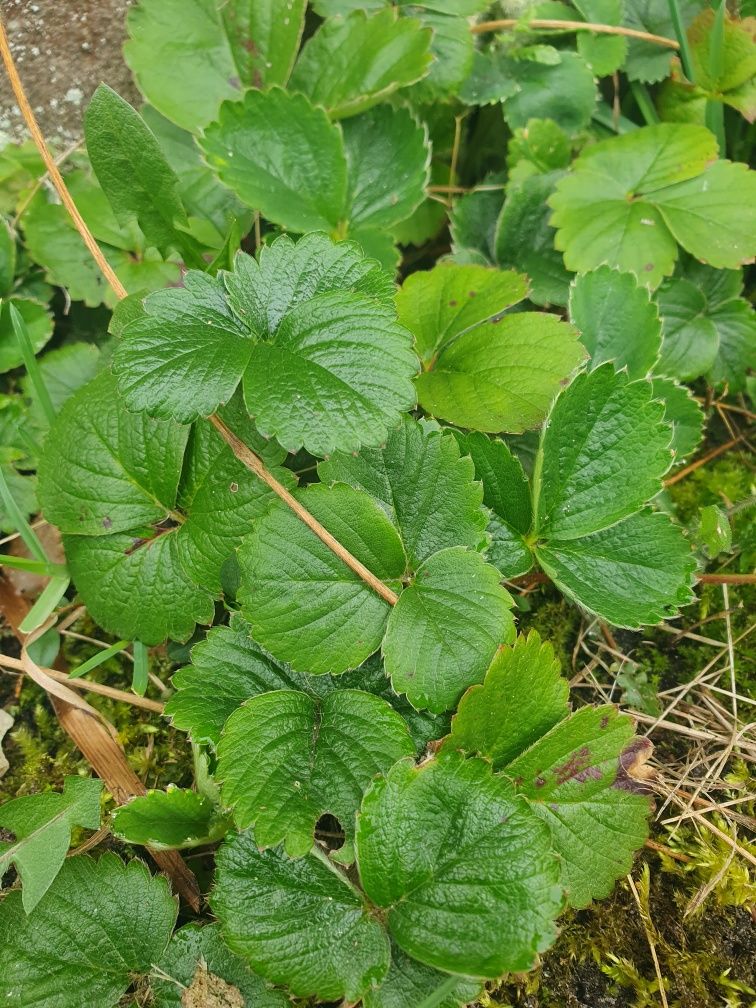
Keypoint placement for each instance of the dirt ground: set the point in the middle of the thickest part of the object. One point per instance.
(63, 49)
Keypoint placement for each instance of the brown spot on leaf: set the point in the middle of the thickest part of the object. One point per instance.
(472, 293)
(604, 721)
(6, 835)
(452, 304)
(234, 487)
(107, 522)
(210, 991)
(633, 771)
(648, 267)
(539, 781)
(577, 768)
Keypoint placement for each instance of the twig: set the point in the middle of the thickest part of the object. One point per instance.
(648, 927)
(599, 29)
(714, 453)
(663, 849)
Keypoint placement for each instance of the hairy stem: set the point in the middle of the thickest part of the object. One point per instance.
(556, 24)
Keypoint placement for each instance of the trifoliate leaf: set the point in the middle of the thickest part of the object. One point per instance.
(617, 320)
(522, 697)
(100, 924)
(174, 819)
(350, 364)
(575, 779)
(445, 628)
(600, 429)
(409, 982)
(461, 864)
(188, 57)
(39, 325)
(348, 65)
(303, 603)
(198, 967)
(500, 375)
(36, 833)
(137, 180)
(683, 412)
(524, 239)
(285, 760)
(238, 669)
(423, 484)
(251, 148)
(135, 586)
(629, 200)
(440, 304)
(507, 493)
(385, 135)
(298, 923)
(105, 470)
(647, 61)
(564, 90)
(636, 572)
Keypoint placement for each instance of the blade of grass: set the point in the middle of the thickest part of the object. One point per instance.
(682, 38)
(30, 362)
(434, 1000)
(52, 594)
(644, 103)
(714, 115)
(98, 659)
(141, 668)
(19, 522)
(33, 566)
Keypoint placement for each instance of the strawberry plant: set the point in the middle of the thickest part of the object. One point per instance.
(342, 413)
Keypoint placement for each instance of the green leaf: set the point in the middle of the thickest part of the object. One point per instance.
(501, 375)
(452, 50)
(350, 64)
(538, 148)
(51, 957)
(461, 865)
(408, 982)
(148, 595)
(714, 532)
(39, 324)
(424, 486)
(522, 697)
(188, 57)
(629, 200)
(600, 429)
(728, 78)
(736, 357)
(136, 178)
(472, 221)
(285, 760)
(507, 493)
(445, 628)
(303, 603)
(634, 573)
(7, 258)
(576, 780)
(564, 91)
(384, 136)
(604, 54)
(104, 470)
(691, 340)
(490, 80)
(440, 304)
(174, 819)
(198, 960)
(298, 922)
(524, 239)
(282, 156)
(646, 61)
(683, 412)
(617, 320)
(64, 371)
(37, 833)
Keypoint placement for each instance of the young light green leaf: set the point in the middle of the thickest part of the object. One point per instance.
(601, 427)
(174, 819)
(188, 57)
(199, 964)
(285, 759)
(303, 603)
(522, 697)
(501, 375)
(461, 864)
(445, 628)
(105, 470)
(385, 135)
(349, 64)
(148, 596)
(440, 304)
(298, 923)
(36, 832)
(409, 982)
(577, 781)
(136, 178)
(617, 320)
(425, 487)
(251, 148)
(507, 493)
(50, 957)
(634, 573)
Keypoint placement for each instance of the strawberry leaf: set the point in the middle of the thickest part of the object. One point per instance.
(174, 819)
